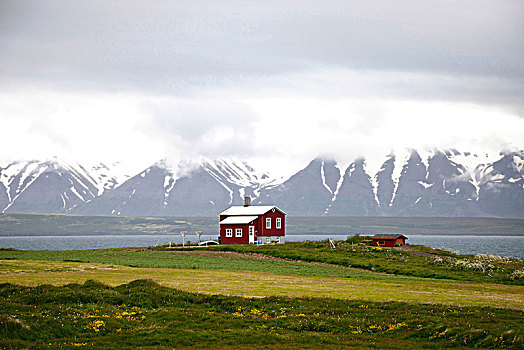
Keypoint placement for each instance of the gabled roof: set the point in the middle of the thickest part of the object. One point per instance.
(389, 236)
(251, 210)
(242, 220)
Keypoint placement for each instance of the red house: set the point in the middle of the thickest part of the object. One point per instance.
(257, 224)
(389, 240)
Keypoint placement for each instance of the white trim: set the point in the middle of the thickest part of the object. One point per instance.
(238, 232)
(278, 223)
(268, 223)
(229, 232)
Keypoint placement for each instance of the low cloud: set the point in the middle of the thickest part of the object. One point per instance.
(201, 127)
(279, 134)
(269, 82)
(431, 50)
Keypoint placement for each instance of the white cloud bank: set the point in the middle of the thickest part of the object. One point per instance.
(276, 133)
(272, 82)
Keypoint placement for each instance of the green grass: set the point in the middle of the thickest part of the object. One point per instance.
(189, 260)
(414, 261)
(262, 284)
(143, 314)
(297, 295)
(346, 261)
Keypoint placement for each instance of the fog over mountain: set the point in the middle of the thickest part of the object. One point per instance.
(271, 83)
(412, 183)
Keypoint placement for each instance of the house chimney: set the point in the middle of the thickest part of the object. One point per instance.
(247, 201)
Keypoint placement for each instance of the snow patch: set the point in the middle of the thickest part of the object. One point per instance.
(8, 175)
(230, 171)
(518, 163)
(349, 170)
(217, 178)
(63, 200)
(425, 184)
(372, 166)
(323, 176)
(496, 178)
(73, 189)
(425, 155)
(169, 184)
(29, 170)
(399, 164)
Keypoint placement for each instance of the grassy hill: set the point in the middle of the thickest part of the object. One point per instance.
(299, 295)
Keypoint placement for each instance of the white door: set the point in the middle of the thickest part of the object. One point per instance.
(251, 234)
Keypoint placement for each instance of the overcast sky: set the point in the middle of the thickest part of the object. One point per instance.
(274, 82)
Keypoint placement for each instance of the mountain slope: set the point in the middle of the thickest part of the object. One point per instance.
(356, 195)
(200, 188)
(44, 187)
(307, 193)
(412, 183)
(501, 186)
(52, 186)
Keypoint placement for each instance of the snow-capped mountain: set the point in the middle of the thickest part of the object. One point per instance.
(412, 183)
(199, 187)
(436, 183)
(53, 186)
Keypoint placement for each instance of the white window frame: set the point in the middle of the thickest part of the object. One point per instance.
(229, 232)
(268, 223)
(238, 232)
(278, 223)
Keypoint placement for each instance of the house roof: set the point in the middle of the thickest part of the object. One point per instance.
(389, 236)
(238, 219)
(251, 210)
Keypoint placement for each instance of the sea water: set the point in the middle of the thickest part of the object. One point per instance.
(507, 246)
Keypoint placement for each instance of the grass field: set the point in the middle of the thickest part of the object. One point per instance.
(261, 284)
(417, 261)
(143, 314)
(287, 296)
(295, 258)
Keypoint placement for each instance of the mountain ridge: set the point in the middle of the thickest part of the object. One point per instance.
(413, 183)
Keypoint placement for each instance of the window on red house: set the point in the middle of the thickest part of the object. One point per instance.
(238, 232)
(268, 223)
(279, 223)
(229, 232)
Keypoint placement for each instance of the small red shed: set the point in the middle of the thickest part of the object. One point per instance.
(389, 239)
(257, 224)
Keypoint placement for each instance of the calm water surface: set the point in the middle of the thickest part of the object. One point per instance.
(509, 246)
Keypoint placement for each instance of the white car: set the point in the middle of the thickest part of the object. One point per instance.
(206, 243)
